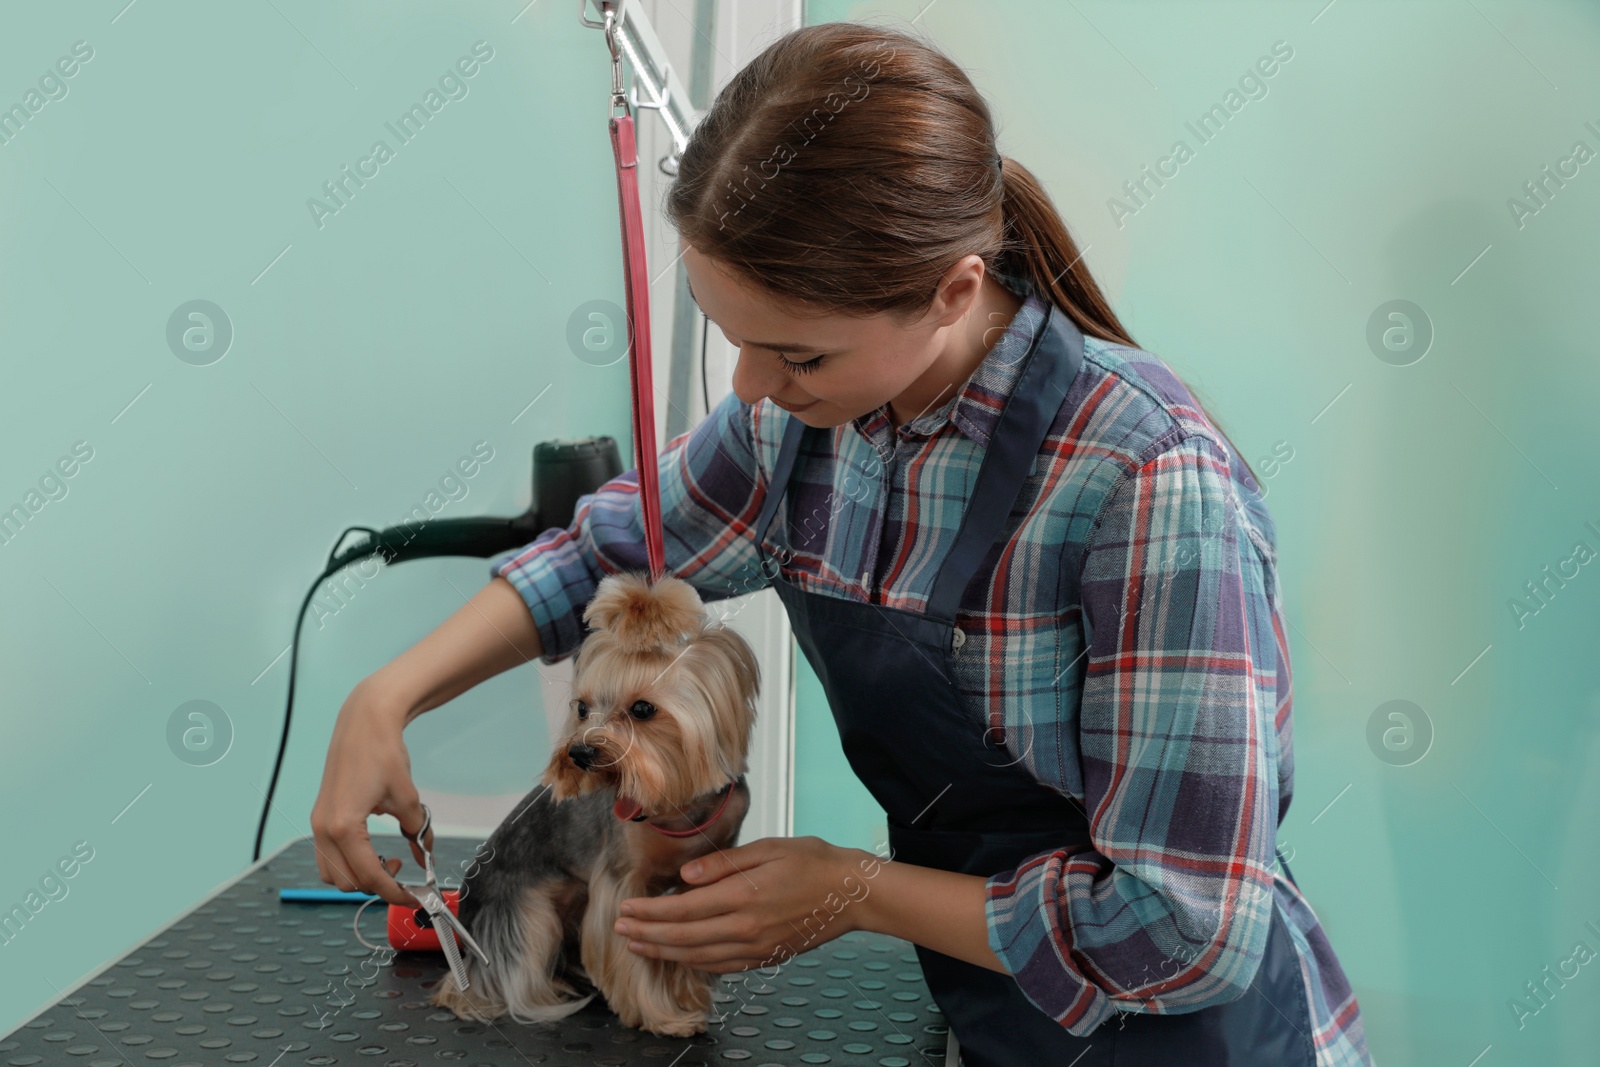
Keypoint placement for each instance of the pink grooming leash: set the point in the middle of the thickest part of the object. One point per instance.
(637, 280)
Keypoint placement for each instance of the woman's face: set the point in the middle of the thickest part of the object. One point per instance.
(838, 368)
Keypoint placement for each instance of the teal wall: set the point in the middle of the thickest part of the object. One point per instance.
(369, 355)
(368, 359)
(1420, 499)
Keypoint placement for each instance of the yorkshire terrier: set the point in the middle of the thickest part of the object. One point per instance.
(649, 775)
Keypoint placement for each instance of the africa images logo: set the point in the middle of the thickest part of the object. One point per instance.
(52, 87)
(1252, 85)
(411, 122)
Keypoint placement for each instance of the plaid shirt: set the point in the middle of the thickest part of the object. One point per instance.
(1158, 696)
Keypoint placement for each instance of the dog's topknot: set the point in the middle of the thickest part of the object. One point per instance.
(642, 617)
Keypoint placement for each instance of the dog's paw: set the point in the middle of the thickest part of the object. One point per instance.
(464, 1003)
(677, 1026)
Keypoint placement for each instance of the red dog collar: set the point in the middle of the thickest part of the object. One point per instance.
(619, 810)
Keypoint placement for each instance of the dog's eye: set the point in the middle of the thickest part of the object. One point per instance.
(642, 709)
(583, 710)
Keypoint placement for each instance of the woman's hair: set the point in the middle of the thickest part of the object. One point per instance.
(848, 166)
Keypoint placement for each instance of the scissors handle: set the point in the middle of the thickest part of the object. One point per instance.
(422, 831)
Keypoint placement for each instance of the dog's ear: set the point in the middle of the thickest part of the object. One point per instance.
(642, 617)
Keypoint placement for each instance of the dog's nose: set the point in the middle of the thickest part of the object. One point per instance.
(583, 755)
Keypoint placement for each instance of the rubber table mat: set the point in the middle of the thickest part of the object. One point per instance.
(243, 978)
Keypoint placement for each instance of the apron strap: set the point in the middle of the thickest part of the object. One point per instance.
(1287, 873)
(779, 482)
(1013, 447)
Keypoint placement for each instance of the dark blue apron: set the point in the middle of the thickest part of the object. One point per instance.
(954, 800)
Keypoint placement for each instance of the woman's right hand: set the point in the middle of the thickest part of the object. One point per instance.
(368, 772)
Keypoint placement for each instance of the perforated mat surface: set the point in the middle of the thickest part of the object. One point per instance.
(245, 979)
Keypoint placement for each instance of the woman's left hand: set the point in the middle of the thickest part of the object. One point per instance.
(750, 906)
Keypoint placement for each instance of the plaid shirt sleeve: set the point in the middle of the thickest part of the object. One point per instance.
(1171, 902)
(712, 489)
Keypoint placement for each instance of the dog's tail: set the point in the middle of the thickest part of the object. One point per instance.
(645, 617)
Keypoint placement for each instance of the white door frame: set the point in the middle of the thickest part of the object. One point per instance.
(742, 28)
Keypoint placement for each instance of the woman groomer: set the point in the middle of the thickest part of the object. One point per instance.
(1035, 579)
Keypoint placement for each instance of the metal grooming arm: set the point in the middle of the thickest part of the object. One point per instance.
(655, 84)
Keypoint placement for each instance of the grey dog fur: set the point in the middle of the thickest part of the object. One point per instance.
(552, 848)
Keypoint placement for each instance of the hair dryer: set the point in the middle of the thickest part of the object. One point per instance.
(563, 471)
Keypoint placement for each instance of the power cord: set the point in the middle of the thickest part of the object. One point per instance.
(336, 562)
(705, 389)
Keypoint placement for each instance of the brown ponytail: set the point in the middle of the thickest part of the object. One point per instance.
(1051, 261)
(1043, 249)
(846, 167)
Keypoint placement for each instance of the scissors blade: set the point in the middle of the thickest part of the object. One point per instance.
(444, 920)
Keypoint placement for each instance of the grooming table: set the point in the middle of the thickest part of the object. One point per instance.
(242, 978)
